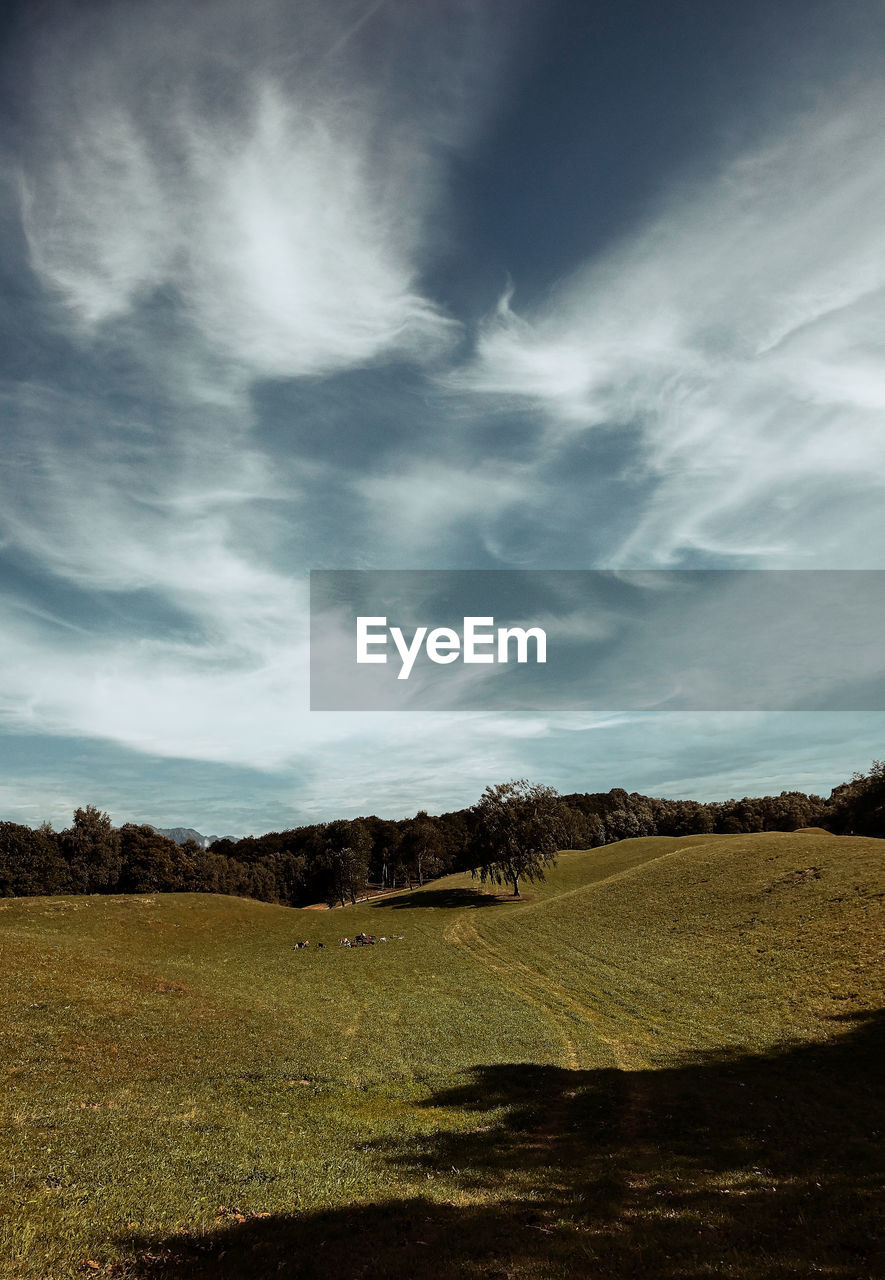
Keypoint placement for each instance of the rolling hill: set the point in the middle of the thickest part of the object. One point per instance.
(664, 1061)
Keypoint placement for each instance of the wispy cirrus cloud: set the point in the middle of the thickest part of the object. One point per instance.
(277, 188)
(211, 203)
(737, 336)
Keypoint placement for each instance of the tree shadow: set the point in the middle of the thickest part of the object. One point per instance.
(751, 1166)
(439, 898)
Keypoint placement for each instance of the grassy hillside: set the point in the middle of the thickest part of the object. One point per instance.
(662, 1062)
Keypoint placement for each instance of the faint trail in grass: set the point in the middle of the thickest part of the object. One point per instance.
(558, 1006)
(517, 977)
(618, 991)
(545, 992)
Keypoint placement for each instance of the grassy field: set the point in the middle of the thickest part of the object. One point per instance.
(666, 1061)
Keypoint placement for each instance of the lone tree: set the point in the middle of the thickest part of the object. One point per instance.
(518, 827)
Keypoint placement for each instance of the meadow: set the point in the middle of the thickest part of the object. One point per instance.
(664, 1061)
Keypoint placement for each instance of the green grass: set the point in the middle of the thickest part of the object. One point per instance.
(662, 1062)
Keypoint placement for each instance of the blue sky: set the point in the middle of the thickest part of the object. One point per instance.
(446, 284)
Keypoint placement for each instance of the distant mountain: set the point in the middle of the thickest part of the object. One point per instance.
(182, 834)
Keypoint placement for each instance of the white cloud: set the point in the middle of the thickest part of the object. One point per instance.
(308, 243)
(740, 330)
(214, 197)
(285, 207)
(414, 509)
(100, 226)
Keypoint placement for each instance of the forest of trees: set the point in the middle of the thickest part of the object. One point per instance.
(335, 861)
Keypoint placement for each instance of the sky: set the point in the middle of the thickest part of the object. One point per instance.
(416, 284)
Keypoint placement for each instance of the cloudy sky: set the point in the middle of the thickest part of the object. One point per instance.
(449, 284)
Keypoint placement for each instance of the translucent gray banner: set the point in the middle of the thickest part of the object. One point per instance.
(689, 640)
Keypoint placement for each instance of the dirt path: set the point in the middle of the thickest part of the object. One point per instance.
(370, 897)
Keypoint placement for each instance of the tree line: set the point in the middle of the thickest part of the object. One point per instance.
(335, 862)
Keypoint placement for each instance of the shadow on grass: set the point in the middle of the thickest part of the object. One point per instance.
(439, 898)
(760, 1167)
